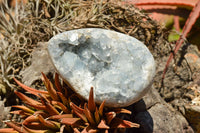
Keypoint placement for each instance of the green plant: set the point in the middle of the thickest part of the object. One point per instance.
(60, 109)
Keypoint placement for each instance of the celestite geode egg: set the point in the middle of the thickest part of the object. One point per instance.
(118, 66)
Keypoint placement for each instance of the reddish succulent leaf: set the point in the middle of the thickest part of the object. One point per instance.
(36, 131)
(29, 89)
(53, 92)
(64, 128)
(49, 108)
(76, 130)
(110, 116)
(30, 119)
(26, 99)
(88, 115)
(24, 108)
(20, 112)
(48, 123)
(121, 110)
(50, 88)
(91, 102)
(84, 131)
(16, 127)
(186, 29)
(102, 125)
(42, 113)
(119, 123)
(37, 106)
(101, 108)
(8, 130)
(106, 131)
(75, 107)
(71, 121)
(43, 99)
(63, 98)
(89, 129)
(57, 83)
(63, 107)
(78, 111)
(36, 126)
(52, 110)
(97, 116)
(180, 3)
(56, 117)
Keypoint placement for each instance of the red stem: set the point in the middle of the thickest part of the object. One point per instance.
(186, 29)
(186, 3)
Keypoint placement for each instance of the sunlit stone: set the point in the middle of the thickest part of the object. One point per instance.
(119, 67)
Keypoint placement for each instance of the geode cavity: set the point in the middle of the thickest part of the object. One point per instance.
(118, 66)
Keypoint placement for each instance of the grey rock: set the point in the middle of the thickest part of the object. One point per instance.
(40, 62)
(4, 113)
(118, 66)
(156, 116)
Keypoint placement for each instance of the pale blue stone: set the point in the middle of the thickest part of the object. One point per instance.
(118, 66)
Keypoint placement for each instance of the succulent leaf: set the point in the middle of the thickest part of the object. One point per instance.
(52, 110)
(25, 98)
(37, 106)
(24, 108)
(37, 131)
(57, 83)
(64, 99)
(97, 116)
(102, 125)
(101, 107)
(110, 116)
(50, 88)
(8, 130)
(55, 112)
(119, 123)
(71, 121)
(57, 117)
(63, 107)
(48, 123)
(78, 111)
(29, 89)
(91, 102)
(120, 110)
(20, 112)
(89, 129)
(32, 118)
(76, 130)
(88, 115)
(16, 127)
(43, 113)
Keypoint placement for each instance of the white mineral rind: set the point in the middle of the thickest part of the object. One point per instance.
(119, 67)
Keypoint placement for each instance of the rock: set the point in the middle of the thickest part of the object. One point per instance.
(181, 86)
(192, 113)
(40, 63)
(119, 67)
(156, 116)
(4, 113)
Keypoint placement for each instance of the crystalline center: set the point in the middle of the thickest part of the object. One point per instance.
(96, 58)
(119, 67)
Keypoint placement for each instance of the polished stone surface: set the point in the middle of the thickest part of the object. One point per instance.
(118, 66)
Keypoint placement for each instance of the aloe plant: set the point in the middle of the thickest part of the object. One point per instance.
(195, 5)
(56, 111)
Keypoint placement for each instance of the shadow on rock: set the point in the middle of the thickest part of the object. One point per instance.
(141, 116)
